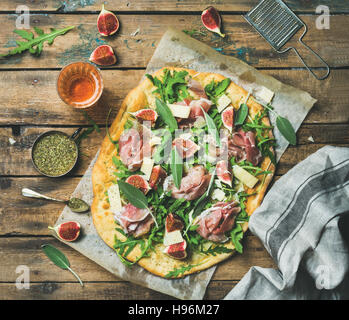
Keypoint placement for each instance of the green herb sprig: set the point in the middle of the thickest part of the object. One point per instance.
(179, 271)
(176, 167)
(214, 250)
(35, 44)
(215, 89)
(166, 114)
(59, 259)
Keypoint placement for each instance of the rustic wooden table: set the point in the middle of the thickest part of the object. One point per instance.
(30, 105)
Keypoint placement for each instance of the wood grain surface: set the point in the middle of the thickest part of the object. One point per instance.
(29, 105)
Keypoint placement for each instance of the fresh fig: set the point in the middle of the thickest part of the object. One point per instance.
(173, 223)
(67, 231)
(139, 182)
(177, 250)
(185, 147)
(107, 22)
(158, 174)
(223, 172)
(228, 118)
(212, 20)
(146, 115)
(103, 55)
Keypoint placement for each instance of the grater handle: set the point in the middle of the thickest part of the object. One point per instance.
(315, 54)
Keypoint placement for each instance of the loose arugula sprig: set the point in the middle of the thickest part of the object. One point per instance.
(213, 250)
(178, 271)
(35, 45)
(59, 259)
(176, 167)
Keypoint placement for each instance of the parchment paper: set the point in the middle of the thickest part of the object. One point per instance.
(178, 49)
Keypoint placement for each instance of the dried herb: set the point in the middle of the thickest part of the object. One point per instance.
(55, 154)
(35, 45)
(59, 259)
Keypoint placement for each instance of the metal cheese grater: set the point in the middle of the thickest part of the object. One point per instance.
(277, 24)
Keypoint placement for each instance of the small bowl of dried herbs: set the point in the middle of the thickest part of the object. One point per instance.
(55, 153)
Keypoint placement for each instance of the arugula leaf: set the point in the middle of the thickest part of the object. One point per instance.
(215, 89)
(92, 122)
(214, 250)
(173, 87)
(35, 45)
(236, 236)
(176, 167)
(166, 114)
(178, 271)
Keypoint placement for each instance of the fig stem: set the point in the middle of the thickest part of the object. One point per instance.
(76, 276)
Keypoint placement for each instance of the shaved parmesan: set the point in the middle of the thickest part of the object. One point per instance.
(179, 111)
(244, 176)
(223, 102)
(155, 140)
(114, 198)
(147, 167)
(218, 194)
(173, 237)
(200, 122)
(266, 94)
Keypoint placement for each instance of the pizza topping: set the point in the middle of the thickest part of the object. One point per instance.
(139, 182)
(147, 167)
(223, 172)
(193, 185)
(133, 220)
(242, 146)
(185, 147)
(179, 111)
(177, 250)
(146, 115)
(228, 118)
(195, 108)
(173, 223)
(222, 102)
(157, 176)
(215, 222)
(197, 88)
(130, 148)
(245, 177)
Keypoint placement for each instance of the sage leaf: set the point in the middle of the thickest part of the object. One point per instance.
(166, 114)
(59, 259)
(286, 129)
(176, 167)
(133, 194)
(212, 129)
(241, 115)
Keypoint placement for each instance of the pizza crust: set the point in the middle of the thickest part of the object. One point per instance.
(102, 175)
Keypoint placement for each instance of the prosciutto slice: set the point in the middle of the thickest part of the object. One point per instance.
(197, 88)
(242, 146)
(193, 185)
(134, 221)
(219, 220)
(134, 144)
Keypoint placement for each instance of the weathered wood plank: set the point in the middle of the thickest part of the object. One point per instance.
(135, 51)
(17, 159)
(27, 251)
(165, 5)
(32, 216)
(23, 101)
(100, 291)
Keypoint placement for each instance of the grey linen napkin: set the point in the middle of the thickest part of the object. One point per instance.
(298, 225)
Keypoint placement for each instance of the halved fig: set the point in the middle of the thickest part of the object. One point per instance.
(139, 182)
(177, 250)
(146, 115)
(212, 20)
(223, 172)
(107, 22)
(173, 223)
(158, 174)
(185, 147)
(103, 55)
(67, 231)
(228, 118)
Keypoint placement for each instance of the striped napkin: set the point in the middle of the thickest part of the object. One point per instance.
(298, 225)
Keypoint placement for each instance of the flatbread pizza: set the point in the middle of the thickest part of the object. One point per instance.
(184, 164)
